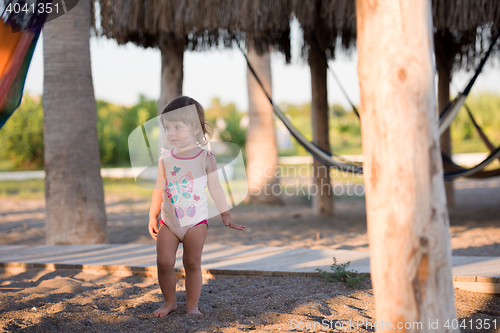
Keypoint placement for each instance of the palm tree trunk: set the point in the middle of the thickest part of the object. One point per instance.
(261, 149)
(322, 190)
(408, 224)
(172, 72)
(73, 184)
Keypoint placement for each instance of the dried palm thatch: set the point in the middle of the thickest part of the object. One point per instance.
(205, 23)
(330, 23)
(464, 15)
(464, 29)
(261, 24)
(471, 23)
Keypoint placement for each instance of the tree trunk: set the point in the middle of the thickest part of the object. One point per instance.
(172, 72)
(408, 225)
(322, 190)
(73, 184)
(261, 148)
(445, 139)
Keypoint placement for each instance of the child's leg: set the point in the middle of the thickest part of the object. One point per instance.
(166, 247)
(193, 246)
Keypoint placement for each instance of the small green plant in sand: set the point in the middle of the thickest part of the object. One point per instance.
(341, 274)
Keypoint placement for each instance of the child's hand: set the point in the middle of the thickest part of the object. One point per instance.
(228, 222)
(153, 227)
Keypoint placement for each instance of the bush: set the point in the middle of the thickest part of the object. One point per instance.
(341, 274)
(114, 125)
(21, 137)
(225, 120)
(485, 108)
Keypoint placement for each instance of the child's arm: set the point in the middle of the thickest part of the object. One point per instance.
(217, 193)
(156, 201)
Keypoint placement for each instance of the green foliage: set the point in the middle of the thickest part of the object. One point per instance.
(23, 189)
(485, 108)
(123, 188)
(114, 125)
(300, 117)
(344, 133)
(21, 137)
(225, 120)
(338, 111)
(340, 274)
(345, 128)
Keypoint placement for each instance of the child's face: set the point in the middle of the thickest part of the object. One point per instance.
(180, 134)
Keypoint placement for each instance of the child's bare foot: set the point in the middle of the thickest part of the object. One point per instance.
(194, 311)
(164, 310)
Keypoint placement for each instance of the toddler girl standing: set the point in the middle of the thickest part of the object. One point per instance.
(183, 174)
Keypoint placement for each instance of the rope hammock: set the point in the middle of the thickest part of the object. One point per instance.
(451, 111)
(474, 172)
(448, 115)
(331, 160)
(324, 157)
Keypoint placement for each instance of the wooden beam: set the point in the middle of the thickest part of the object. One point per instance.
(444, 60)
(321, 192)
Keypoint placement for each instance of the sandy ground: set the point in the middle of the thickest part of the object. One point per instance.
(41, 301)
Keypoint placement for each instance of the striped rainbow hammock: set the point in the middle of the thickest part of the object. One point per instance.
(16, 50)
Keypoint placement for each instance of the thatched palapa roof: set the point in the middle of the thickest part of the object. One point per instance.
(261, 23)
(471, 22)
(327, 22)
(205, 23)
(464, 29)
(464, 15)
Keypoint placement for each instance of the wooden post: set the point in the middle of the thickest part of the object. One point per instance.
(261, 149)
(445, 53)
(445, 138)
(408, 225)
(322, 191)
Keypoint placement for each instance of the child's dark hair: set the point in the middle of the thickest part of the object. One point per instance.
(190, 118)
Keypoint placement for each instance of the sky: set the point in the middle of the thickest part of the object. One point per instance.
(122, 72)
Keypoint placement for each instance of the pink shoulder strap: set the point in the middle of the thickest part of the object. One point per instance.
(163, 155)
